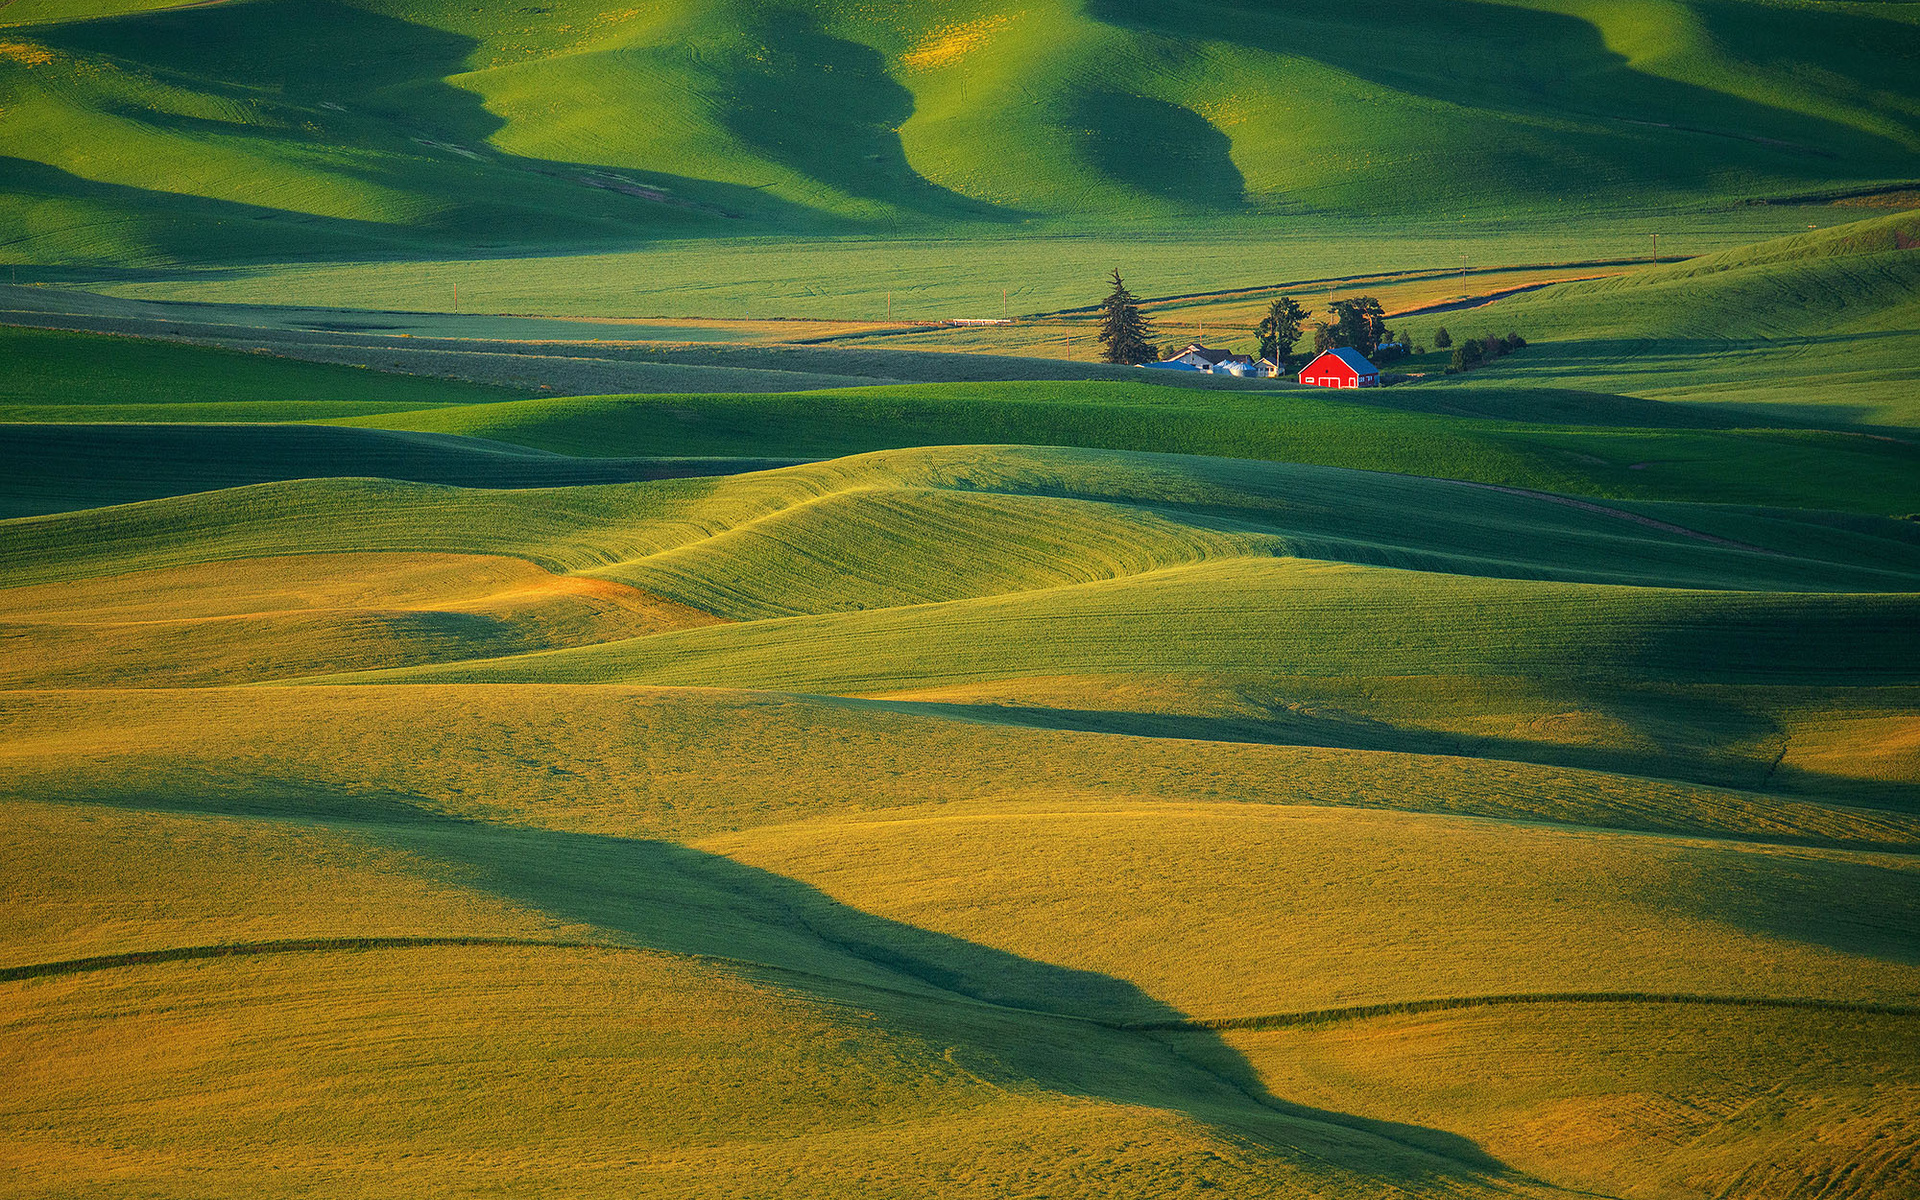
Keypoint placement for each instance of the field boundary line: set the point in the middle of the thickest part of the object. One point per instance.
(336, 945)
(173, 954)
(1620, 514)
(1409, 274)
(1323, 1016)
(1360, 1012)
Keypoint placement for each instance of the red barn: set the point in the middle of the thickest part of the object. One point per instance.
(1341, 369)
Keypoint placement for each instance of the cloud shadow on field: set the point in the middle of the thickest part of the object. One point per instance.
(1015, 1022)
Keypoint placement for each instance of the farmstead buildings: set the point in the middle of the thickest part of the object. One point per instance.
(1214, 362)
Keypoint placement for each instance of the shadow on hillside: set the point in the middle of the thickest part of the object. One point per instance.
(365, 98)
(1669, 756)
(61, 468)
(1015, 1022)
(1161, 150)
(1660, 131)
(174, 226)
(827, 108)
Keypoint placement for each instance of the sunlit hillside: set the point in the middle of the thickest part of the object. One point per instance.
(1154, 823)
(142, 132)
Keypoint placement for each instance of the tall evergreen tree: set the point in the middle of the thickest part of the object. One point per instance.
(1280, 329)
(1123, 331)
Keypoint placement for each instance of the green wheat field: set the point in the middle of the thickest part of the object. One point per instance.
(538, 660)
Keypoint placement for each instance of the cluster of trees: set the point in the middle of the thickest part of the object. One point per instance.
(1476, 351)
(1127, 337)
(1359, 324)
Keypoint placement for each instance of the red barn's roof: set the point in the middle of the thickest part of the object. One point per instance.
(1352, 359)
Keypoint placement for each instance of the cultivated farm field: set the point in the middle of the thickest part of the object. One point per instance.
(536, 661)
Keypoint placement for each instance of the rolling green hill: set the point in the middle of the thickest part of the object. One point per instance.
(75, 372)
(1817, 326)
(1539, 438)
(284, 130)
(57, 468)
(1211, 595)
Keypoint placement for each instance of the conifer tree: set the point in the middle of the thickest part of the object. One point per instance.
(1123, 332)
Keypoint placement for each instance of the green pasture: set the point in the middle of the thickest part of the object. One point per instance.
(1544, 439)
(278, 131)
(975, 273)
(1815, 327)
(55, 468)
(76, 371)
(951, 511)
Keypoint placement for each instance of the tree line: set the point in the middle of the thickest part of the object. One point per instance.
(1478, 351)
(1358, 324)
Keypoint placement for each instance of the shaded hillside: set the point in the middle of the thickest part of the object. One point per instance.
(282, 128)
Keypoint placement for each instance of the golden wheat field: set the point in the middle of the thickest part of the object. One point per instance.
(578, 618)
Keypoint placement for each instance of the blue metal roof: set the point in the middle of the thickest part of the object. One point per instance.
(1356, 360)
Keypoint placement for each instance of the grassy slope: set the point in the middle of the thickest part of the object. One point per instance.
(1600, 1086)
(1530, 439)
(57, 468)
(1818, 326)
(408, 124)
(966, 496)
(78, 371)
(1706, 686)
(869, 908)
(1134, 572)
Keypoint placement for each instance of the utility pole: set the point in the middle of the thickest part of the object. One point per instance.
(456, 296)
(1069, 345)
(889, 306)
(1003, 304)
(1656, 247)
